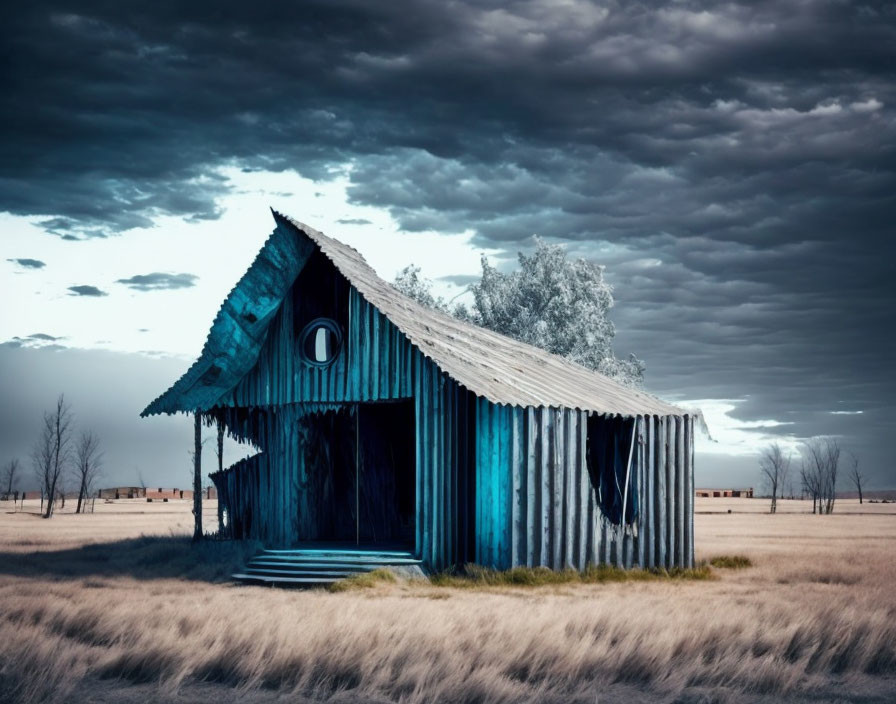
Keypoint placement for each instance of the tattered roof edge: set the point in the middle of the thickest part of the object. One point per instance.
(492, 366)
(240, 324)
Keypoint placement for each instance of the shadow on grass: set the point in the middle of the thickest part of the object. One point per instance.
(148, 557)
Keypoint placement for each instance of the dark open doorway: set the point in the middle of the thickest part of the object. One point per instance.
(361, 476)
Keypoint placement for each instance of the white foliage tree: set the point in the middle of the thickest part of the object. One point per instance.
(409, 282)
(553, 302)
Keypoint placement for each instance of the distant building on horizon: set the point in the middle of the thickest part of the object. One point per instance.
(154, 493)
(122, 492)
(725, 493)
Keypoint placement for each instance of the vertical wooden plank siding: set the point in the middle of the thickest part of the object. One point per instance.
(555, 416)
(544, 483)
(639, 449)
(681, 557)
(570, 503)
(593, 515)
(688, 501)
(584, 526)
(691, 491)
(443, 427)
(375, 363)
(533, 517)
(674, 485)
(517, 489)
(418, 459)
(649, 502)
(434, 470)
(660, 517)
(670, 491)
(424, 442)
(484, 528)
(536, 503)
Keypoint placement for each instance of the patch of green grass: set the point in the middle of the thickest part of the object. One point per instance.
(475, 576)
(596, 574)
(731, 562)
(364, 580)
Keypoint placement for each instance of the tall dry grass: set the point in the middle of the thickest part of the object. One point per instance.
(817, 607)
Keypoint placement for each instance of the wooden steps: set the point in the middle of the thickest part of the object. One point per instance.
(319, 566)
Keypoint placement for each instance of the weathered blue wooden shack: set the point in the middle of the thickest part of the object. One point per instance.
(384, 424)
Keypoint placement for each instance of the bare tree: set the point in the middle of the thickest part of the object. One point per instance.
(42, 460)
(775, 466)
(784, 479)
(789, 487)
(832, 466)
(88, 462)
(10, 475)
(857, 478)
(52, 451)
(809, 480)
(821, 462)
(62, 489)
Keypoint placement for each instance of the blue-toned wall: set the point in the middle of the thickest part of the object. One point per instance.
(536, 504)
(446, 469)
(375, 363)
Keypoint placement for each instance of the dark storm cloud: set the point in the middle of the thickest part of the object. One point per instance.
(29, 263)
(158, 281)
(732, 165)
(117, 114)
(86, 290)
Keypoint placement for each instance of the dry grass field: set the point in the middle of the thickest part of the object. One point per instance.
(116, 606)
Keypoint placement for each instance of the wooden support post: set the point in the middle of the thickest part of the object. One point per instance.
(357, 473)
(197, 478)
(220, 469)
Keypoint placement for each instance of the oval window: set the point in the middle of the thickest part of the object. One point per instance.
(320, 342)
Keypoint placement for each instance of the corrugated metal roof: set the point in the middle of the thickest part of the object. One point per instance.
(490, 365)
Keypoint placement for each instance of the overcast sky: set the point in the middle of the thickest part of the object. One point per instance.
(732, 166)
